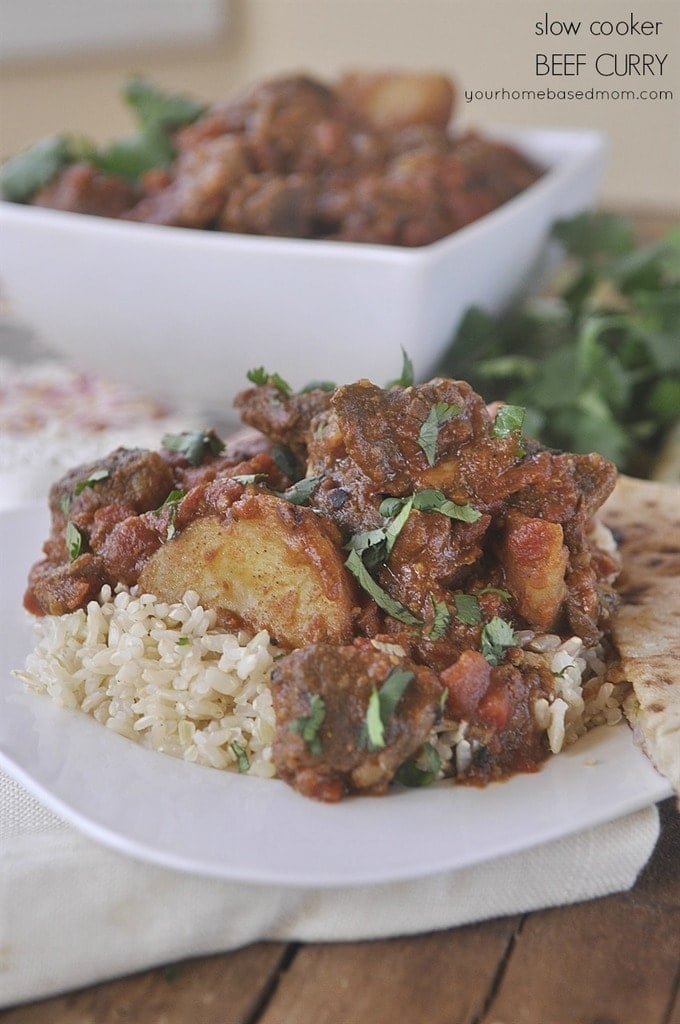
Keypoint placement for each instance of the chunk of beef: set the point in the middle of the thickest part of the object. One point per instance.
(278, 205)
(93, 498)
(202, 178)
(284, 420)
(138, 478)
(58, 588)
(497, 702)
(81, 188)
(281, 120)
(331, 687)
(382, 430)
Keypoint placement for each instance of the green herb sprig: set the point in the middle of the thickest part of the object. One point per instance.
(497, 636)
(381, 706)
(428, 435)
(194, 446)
(596, 360)
(308, 726)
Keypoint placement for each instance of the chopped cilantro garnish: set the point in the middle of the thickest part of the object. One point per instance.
(286, 461)
(194, 446)
(509, 420)
(183, 641)
(467, 609)
(406, 379)
(27, 172)
(318, 385)
(309, 725)
(74, 540)
(99, 474)
(497, 636)
(381, 598)
(396, 525)
(441, 622)
(376, 545)
(260, 378)
(157, 114)
(157, 110)
(381, 706)
(249, 478)
(299, 493)
(370, 544)
(241, 756)
(428, 435)
(431, 500)
(373, 733)
(504, 594)
(171, 502)
(422, 771)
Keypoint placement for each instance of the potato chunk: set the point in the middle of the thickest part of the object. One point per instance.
(535, 560)
(393, 99)
(266, 564)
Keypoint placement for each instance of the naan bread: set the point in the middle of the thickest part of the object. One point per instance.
(645, 518)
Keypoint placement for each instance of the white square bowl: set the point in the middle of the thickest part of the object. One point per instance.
(184, 314)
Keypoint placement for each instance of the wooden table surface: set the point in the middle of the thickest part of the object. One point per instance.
(614, 960)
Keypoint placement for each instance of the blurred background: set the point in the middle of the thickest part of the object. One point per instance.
(62, 65)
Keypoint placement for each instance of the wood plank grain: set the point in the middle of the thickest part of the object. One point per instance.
(609, 961)
(438, 978)
(225, 989)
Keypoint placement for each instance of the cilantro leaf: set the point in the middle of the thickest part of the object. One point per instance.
(388, 604)
(433, 500)
(422, 771)
(74, 540)
(158, 114)
(287, 461)
(376, 545)
(24, 174)
(261, 378)
(373, 733)
(309, 725)
(592, 234)
(441, 621)
(381, 706)
(241, 756)
(171, 502)
(509, 419)
(406, 379)
(93, 478)
(300, 492)
(133, 156)
(194, 446)
(428, 435)
(497, 636)
(156, 110)
(468, 609)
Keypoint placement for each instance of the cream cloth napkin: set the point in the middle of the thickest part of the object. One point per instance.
(73, 912)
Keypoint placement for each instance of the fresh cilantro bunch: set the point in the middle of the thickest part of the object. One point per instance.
(595, 361)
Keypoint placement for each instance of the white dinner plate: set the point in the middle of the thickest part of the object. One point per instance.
(229, 826)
